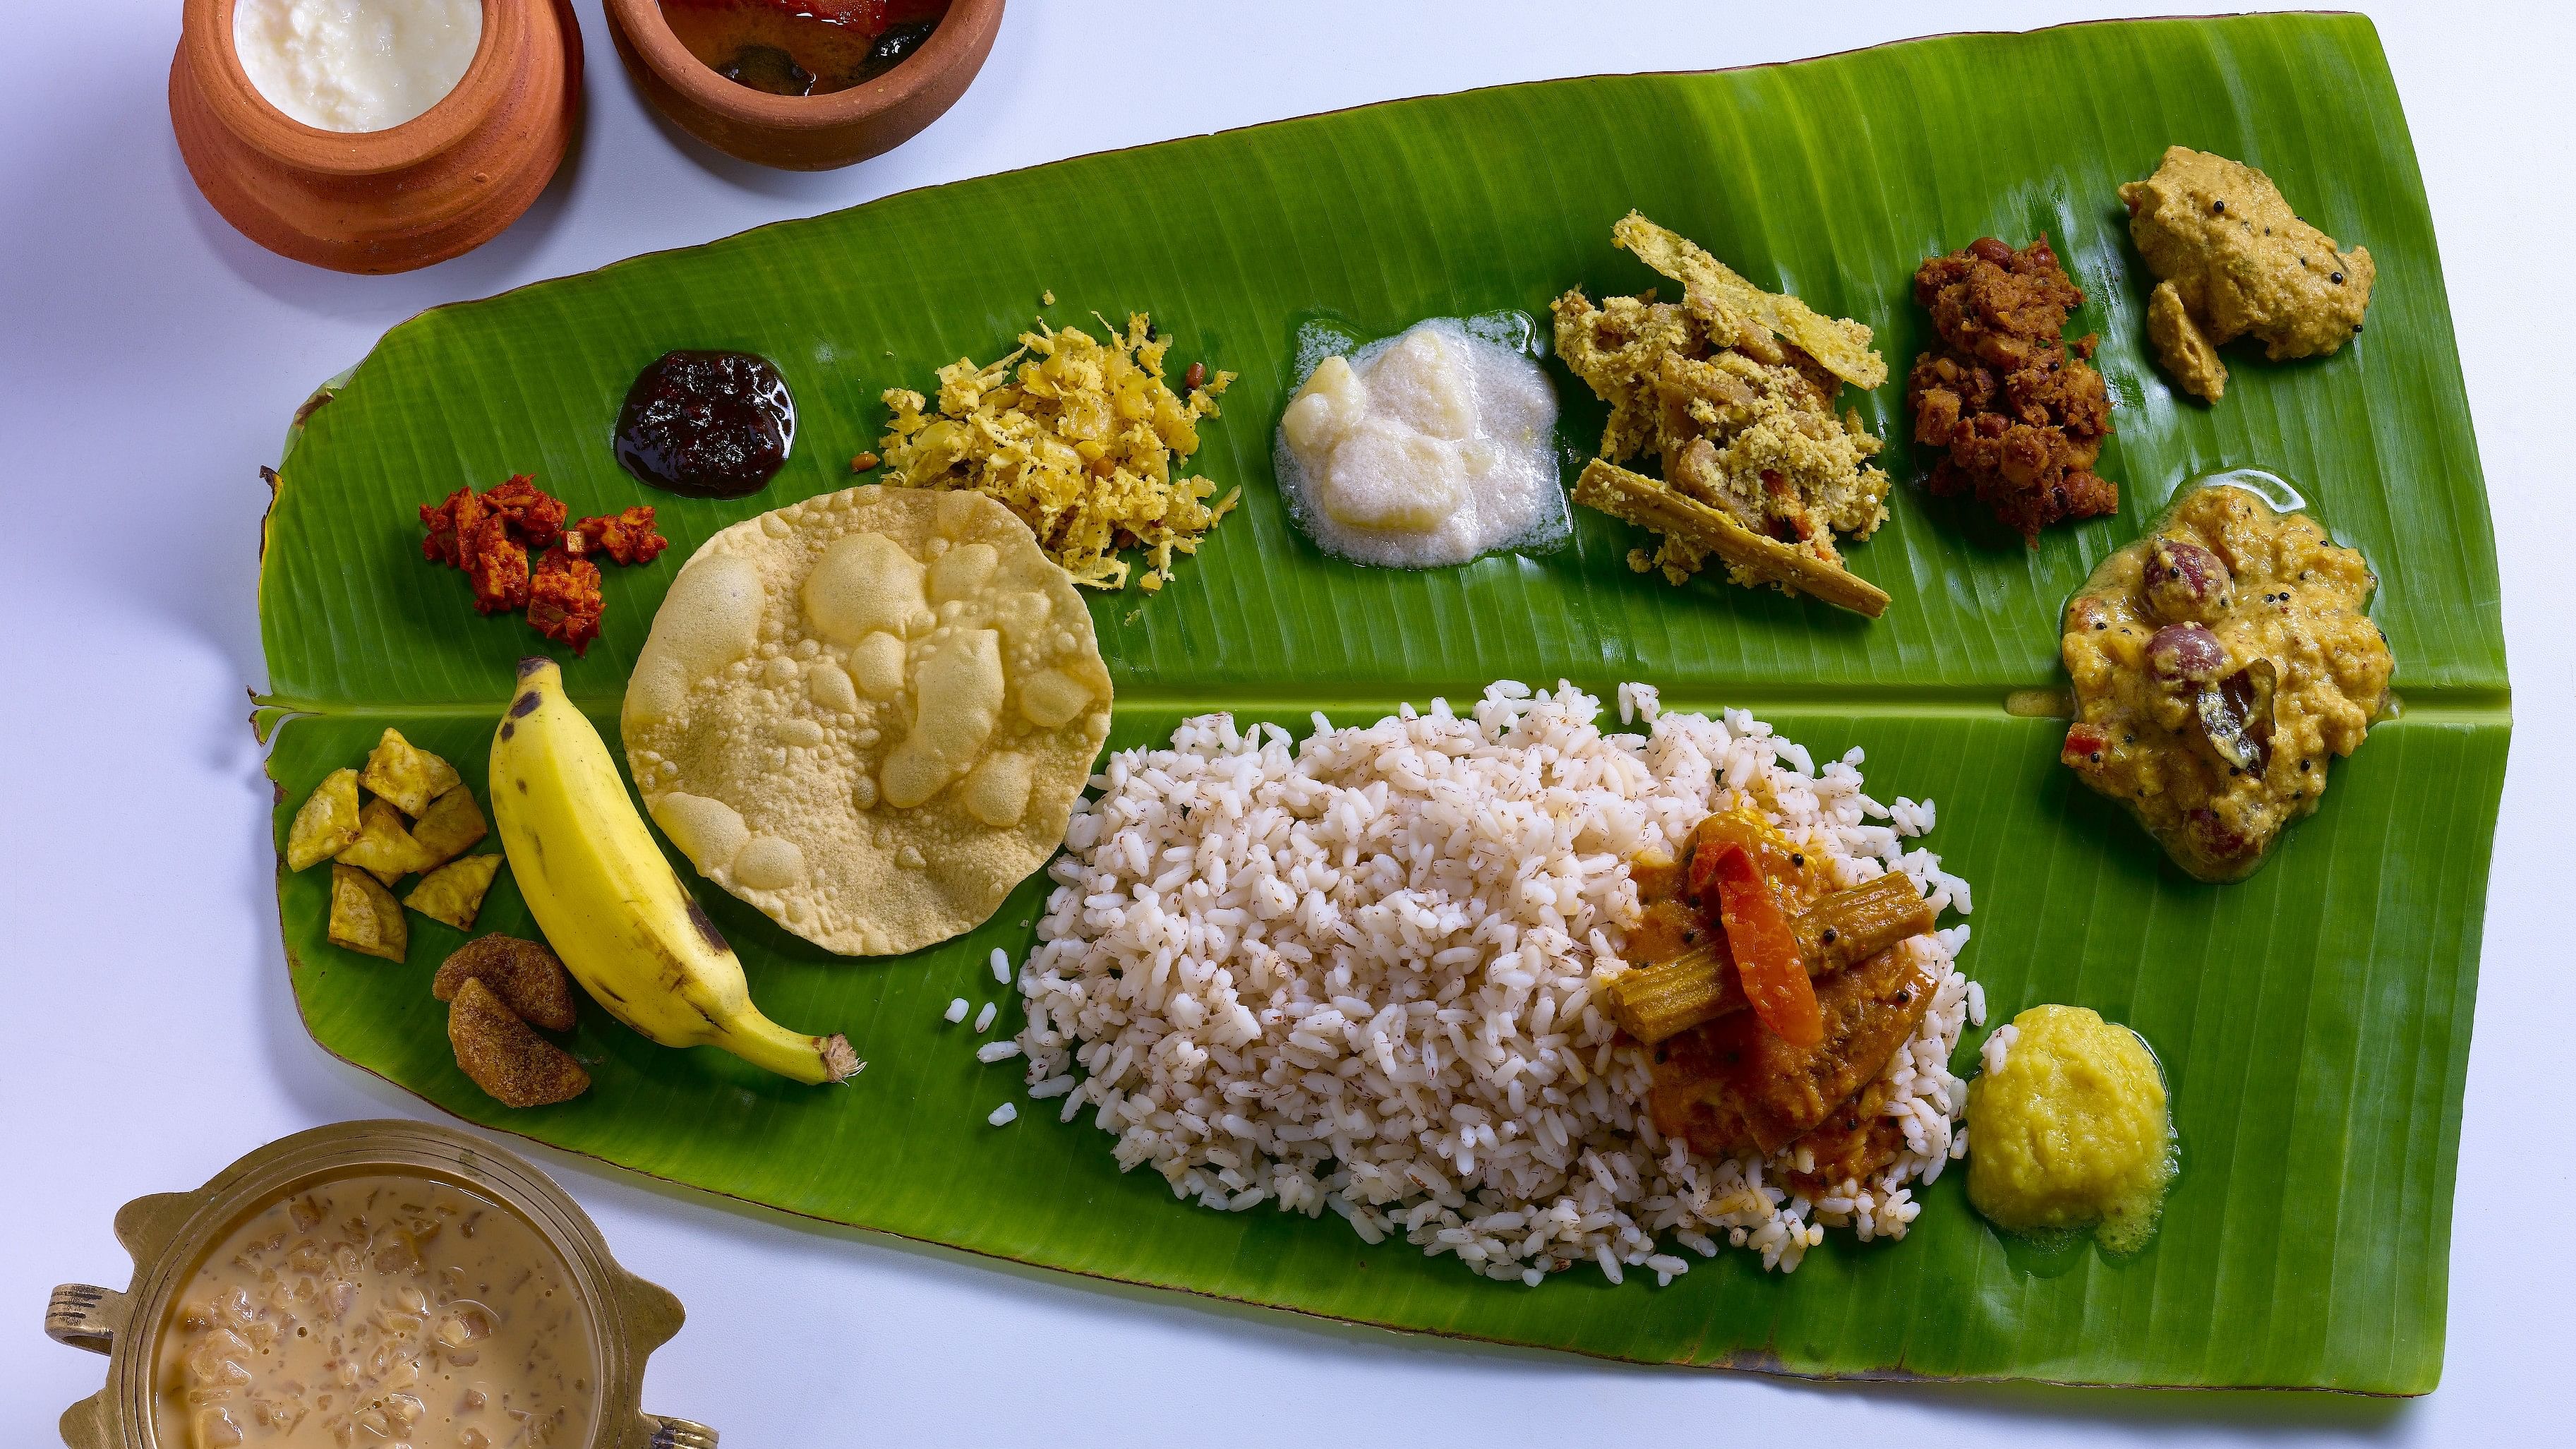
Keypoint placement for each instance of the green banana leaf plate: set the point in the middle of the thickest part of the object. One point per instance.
(2314, 1021)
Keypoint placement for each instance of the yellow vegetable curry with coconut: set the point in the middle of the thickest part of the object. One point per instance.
(2219, 663)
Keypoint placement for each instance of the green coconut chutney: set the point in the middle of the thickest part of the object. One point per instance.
(2071, 1132)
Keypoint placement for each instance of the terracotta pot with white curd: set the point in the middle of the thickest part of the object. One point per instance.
(374, 135)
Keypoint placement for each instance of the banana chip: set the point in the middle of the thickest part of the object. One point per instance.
(450, 827)
(384, 848)
(407, 775)
(364, 916)
(326, 824)
(371, 845)
(453, 893)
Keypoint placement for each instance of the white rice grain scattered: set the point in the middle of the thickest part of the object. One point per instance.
(1990, 1057)
(1355, 975)
(1004, 1115)
(984, 1018)
(996, 1051)
(956, 1011)
(1640, 702)
(1002, 964)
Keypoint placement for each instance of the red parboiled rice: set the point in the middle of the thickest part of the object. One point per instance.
(1358, 976)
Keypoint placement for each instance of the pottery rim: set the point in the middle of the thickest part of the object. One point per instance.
(207, 32)
(168, 1234)
(950, 45)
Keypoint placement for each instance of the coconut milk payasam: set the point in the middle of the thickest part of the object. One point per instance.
(367, 1283)
(384, 1306)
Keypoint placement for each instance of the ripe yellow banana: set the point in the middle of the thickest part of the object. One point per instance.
(609, 902)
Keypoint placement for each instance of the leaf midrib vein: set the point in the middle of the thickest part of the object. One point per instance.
(2438, 705)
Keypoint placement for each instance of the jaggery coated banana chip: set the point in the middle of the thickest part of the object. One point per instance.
(526, 975)
(505, 1057)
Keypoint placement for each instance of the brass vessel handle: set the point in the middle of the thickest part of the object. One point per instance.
(86, 1316)
(670, 1433)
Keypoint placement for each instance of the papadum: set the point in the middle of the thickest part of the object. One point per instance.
(869, 714)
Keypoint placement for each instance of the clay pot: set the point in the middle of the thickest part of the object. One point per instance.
(436, 186)
(804, 133)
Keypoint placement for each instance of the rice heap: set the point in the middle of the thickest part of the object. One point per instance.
(1360, 976)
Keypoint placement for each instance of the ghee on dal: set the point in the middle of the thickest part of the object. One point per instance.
(2071, 1131)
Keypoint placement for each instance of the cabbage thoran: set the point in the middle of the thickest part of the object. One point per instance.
(1077, 437)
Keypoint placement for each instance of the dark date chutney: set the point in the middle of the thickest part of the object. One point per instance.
(707, 424)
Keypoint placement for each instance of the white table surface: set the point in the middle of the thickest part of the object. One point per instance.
(149, 359)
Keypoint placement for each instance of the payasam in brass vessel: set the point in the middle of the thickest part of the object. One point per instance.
(172, 1235)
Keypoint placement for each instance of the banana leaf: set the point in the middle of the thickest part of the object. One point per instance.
(2314, 1021)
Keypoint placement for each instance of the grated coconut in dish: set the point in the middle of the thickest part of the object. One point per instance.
(1076, 436)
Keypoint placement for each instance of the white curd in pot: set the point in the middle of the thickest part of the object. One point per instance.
(356, 65)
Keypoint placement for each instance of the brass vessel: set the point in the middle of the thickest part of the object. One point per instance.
(169, 1233)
